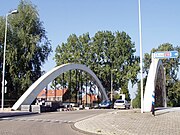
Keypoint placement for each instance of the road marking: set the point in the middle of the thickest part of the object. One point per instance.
(6, 118)
(38, 120)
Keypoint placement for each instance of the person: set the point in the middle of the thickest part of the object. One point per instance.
(152, 109)
(153, 104)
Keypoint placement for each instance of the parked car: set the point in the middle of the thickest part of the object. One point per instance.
(121, 104)
(106, 104)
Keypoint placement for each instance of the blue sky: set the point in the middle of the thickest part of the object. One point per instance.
(160, 20)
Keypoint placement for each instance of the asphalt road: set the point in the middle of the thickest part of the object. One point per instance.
(55, 123)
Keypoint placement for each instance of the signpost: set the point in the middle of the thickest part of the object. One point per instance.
(166, 54)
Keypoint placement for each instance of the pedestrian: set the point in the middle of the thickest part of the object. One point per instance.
(152, 109)
(153, 104)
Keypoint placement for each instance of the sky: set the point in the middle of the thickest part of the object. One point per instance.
(160, 21)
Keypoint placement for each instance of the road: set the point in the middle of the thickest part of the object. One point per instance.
(46, 123)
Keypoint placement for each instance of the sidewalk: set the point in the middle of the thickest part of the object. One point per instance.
(132, 122)
(9, 113)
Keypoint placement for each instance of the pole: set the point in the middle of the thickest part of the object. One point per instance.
(98, 95)
(76, 86)
(141, 67)
(111, 87)
(3, 72)
(165, 99)
(86, 89)
(81, 87)
(46, 91)
(4, 56)
(69, 87)
(55, 88)
(63, 88)
(63, 84)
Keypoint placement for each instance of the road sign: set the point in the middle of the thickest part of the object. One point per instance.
(5, 82)
(166, 54)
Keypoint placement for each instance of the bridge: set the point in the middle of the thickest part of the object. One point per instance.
(154, 91)
(32, 92)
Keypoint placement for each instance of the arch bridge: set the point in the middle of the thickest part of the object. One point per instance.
(155, 90)
(32, 92)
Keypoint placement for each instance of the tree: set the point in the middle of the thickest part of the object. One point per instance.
(174, 95)
(136, 102)
(74, 51)
(27, 48)
(124, 90)
(103, 53)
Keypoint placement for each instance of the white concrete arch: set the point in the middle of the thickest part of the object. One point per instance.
(32, 92)
(155, 67)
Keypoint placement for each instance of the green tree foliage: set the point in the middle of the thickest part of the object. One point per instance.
(27, 48)
(124, 90)
(174, 95)
(136, 103)
(116, 96)
(103, 53)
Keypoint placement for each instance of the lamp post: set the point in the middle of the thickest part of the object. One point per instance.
(112, 84)
(111, 87)
(141, 67)
(4, 56)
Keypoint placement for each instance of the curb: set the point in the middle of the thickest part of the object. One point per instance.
(81, 131)
(13, 114)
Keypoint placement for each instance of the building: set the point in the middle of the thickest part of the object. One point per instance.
(91, 98)
(51, 95)
(57, 95)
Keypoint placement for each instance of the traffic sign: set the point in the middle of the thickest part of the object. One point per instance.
(5, 82)
(166, 54)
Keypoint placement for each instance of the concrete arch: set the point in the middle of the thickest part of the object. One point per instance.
(32, 92)
(156, 78)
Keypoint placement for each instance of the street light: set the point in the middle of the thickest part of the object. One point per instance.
(141, 67)
(112, 83)
(4, 56)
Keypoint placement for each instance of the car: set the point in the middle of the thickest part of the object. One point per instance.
(106, 104)
(119, 103)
